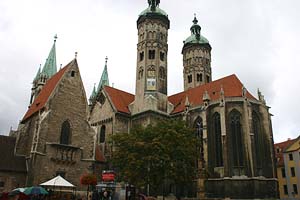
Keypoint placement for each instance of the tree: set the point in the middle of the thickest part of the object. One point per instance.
(166, 151)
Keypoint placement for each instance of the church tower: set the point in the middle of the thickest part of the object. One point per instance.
(152, 51)
(44, 74)
(196, 58)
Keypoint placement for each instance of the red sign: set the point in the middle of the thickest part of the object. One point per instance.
(108, 176)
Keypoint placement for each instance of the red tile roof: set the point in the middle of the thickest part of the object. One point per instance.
(46, 91)
(232, 87)
(281, 146)
(120, 99)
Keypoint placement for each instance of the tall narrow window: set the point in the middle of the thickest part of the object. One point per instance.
(217, 137)
(162, 56)
(236, 142)
(291, 156)
(198, 77)
(65, 133)
(207, 79)
(258, 142)
(102, 134)
(285, 189)
(283, 172)
(293, 174)
(295, 188)
(151, 54)
(190, 78)
(141, 56)
(162, 73)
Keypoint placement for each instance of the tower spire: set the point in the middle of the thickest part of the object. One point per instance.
(50, 68)
(104, 77)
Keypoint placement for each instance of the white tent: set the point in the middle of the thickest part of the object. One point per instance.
(58, 182)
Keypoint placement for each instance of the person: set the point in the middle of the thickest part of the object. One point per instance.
(105, 195)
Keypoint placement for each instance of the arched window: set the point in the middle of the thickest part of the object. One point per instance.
(236, 142)
(102, 134)
(162, 73)
(217, 137)
(65, 133)
(258, 142)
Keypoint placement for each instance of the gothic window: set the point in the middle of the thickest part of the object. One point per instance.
(207, 79)
(141, 73)
(217, 137)
(199, 77)
(102, 134)
(190, 78)
(65, 134)
(151, 55)
(236, 141)
(162, 56)
(162, 73)
(151, 72)
(258, 140)
(141, 56)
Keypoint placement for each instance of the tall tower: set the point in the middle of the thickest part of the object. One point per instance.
(196, 58)
(44, 74)
(152, 51)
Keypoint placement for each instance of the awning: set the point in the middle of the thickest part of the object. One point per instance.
(58, 182)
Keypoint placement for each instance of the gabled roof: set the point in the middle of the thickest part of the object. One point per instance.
(281, 148)
(10, 162)
(58, 181)
(231, 85)
(45, 93)
(120, 99)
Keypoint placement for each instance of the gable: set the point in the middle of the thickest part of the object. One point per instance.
(231, 85)
(41, 100)
(119, 99)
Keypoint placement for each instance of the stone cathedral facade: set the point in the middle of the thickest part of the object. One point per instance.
(234, 127)
(62, 134)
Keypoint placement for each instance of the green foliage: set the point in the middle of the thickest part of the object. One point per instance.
(164, 151)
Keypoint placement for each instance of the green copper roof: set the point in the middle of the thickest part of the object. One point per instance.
(196, 37)
(104, 78)
(50, 68)
(37, 76)
(94, 93)
(154, 8)
(156, 11)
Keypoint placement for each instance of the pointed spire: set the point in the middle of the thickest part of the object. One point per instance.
(50, 68)
(196, 29)
(187, 102)
(94, 93)
(104, 77)
(153, 4)
(37, 76)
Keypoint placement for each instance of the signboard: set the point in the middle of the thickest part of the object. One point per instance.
(108, 176)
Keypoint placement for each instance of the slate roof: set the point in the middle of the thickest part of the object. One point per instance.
(45, 93)
(231, 85)
(120, 99)
(10, 162)
(282, 146)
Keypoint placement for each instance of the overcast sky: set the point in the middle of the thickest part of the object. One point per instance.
(258, 40)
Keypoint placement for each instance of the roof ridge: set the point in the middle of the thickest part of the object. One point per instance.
(119, 90)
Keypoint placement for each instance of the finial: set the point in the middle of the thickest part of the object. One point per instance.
(106, 58)
(55, 38)
(76, 53)
(60, 67)
(195, 21)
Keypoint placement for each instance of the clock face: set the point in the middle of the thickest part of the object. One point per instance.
(151, 84)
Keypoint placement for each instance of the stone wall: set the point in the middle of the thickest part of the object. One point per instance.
(12, 180)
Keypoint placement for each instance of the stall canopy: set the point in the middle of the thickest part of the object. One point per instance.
(58, 182)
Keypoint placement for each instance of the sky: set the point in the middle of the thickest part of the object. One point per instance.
(258, 40)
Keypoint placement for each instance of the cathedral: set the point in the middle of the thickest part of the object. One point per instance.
(61, 133)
